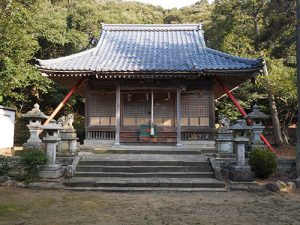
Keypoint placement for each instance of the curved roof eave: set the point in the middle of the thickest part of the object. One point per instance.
(150, 49)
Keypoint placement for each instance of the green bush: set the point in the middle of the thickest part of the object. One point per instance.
(30, 160)
(263, 162)
(4, 165)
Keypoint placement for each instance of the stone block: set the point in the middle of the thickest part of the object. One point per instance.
(297, 182)
(224, 146)
(241, 174)
(291, 186)
(224, 141)
(51, 172)
(4, 179)
(33, 146)
(278, 186)
(274, 187)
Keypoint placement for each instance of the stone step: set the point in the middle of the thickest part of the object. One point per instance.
(143, 169)
(146, 175)
(154, 151)
(144, 182)
(102, 162)
(146, 189)
(143, 146)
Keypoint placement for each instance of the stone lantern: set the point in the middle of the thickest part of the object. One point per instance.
(257, 117)
(241, 171)
(35, 117)
(51, 138)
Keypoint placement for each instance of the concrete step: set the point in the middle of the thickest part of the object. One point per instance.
(143, 169)
(155, 151)
(102, 162)
(145, 182)
(146, 175)
(196, 146)
(146, 189)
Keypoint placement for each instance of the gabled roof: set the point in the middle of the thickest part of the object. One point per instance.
(150, 48)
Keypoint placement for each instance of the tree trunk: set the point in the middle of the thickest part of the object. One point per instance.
(257, 31)
(285, 132)
(278, 140)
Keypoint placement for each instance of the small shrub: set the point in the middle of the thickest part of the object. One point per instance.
(4, 165)
(263, 162)
(30, 160)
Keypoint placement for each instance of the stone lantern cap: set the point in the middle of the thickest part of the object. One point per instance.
(52, 126)
(256, 114)
(240, 125)
(35, 113)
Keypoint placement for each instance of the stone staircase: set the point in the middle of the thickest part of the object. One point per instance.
(137, 170)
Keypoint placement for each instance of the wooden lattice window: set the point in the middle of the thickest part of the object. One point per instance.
(195, 108)
(102, 109)
(164, 109)
(136, 109)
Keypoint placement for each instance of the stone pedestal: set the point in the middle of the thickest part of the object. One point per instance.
(241, 174)
(68, 143)
(51, 170)
(224, 141)
(33, 145)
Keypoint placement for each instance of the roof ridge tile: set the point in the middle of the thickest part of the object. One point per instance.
(151, 27)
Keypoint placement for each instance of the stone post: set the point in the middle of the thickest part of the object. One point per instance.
(241, 172)
(51, 170)
(35, 117)
(256, 117)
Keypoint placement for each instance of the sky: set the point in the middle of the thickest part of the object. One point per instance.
(168, 4)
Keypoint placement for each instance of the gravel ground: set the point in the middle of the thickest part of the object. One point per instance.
(24, 206)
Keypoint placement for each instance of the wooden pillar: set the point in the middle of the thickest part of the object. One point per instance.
(118, 114)
(212, 119)
(178, 109)
(87, 111)
(152, 114)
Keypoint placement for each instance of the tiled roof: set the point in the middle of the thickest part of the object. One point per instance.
(150, 48)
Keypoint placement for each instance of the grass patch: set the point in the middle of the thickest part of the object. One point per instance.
(7, 209)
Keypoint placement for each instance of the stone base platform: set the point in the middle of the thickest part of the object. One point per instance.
(241, 174)
(51, 172)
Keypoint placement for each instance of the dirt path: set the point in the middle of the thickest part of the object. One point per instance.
(21, 206)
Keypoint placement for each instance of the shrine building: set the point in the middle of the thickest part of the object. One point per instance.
(150, 84)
